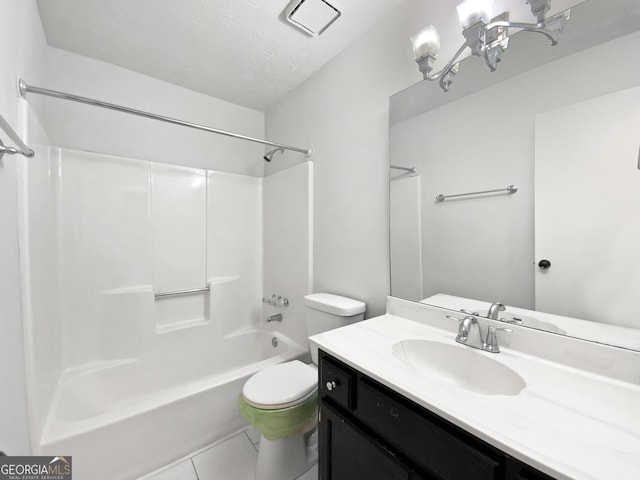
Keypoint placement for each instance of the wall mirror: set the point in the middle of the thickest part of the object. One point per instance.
(562, 126)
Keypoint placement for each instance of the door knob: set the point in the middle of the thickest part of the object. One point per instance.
(544, 264)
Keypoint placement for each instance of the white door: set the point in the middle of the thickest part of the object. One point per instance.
(587, 209)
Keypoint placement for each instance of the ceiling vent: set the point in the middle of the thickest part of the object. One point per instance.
(312, 16)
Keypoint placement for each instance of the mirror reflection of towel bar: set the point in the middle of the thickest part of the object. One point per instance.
(181, 292)
(510, 189)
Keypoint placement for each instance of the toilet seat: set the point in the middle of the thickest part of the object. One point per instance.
(281, 386)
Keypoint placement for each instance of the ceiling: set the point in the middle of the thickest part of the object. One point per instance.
(242, 51)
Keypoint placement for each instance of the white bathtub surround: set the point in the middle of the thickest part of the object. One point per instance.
(179, 219)
(288, 243)
(111, 369)
(147, 412)
(576, 418)
(405, 235)
(179, 244)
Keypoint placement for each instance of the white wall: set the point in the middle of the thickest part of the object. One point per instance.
(343, 111)
(81, 127)
(22, 47)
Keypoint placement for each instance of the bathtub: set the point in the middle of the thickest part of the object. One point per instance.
(123, 418)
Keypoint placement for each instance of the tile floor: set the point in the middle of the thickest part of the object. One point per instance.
(233, 458)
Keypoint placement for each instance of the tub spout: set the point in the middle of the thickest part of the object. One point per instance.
(275, 318)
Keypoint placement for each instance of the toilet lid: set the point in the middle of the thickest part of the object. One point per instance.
(281, 385)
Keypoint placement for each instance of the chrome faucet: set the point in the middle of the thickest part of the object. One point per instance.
(470, 334)
(275, 318)
(495, 309)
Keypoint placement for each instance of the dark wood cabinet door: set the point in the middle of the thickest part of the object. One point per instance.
(348, 453)
(431, 443)
(369, 432)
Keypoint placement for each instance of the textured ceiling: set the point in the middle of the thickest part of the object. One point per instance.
(241, 51)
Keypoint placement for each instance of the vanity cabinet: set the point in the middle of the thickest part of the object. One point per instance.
(368, 431)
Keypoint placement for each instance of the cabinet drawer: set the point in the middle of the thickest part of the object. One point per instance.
(337, 382)
(426, 441)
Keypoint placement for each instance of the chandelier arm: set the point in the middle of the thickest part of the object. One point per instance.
(528, 27)
(504, 23)
(552, 38)
(443, 85)
(449, 65)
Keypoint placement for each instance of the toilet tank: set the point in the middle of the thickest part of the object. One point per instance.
(326, 311)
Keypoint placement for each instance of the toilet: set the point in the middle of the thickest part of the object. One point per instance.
(281, 400)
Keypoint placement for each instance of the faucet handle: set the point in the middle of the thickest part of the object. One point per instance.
(469, 312)
(282, 302)
(463, 326)
(491, 342)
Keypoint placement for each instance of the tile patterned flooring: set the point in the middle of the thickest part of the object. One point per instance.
(233, 458)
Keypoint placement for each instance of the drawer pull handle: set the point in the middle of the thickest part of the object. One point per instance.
(331, 385)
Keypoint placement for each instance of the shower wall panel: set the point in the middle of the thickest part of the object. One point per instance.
(288, 239)
(179, 213)
(102, 235)
(40, 271)
(105, 241)
(234, 249)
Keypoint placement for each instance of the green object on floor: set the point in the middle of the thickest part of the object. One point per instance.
(280, 423)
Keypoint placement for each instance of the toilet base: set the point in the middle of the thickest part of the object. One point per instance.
(286, 458)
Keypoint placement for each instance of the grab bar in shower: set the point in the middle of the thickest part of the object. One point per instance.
(510, 189)
(181, 292)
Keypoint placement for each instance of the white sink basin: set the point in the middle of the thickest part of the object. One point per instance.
(460, 366)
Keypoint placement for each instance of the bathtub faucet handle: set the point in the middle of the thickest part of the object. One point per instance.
(276, 301)
(270, 300)
(282, 302)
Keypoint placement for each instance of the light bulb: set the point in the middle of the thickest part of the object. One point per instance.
(472, 11)
(426, 42)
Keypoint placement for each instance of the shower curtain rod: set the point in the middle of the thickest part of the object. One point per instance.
(25, 88)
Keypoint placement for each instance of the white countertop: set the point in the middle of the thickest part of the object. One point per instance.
(567, 422)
